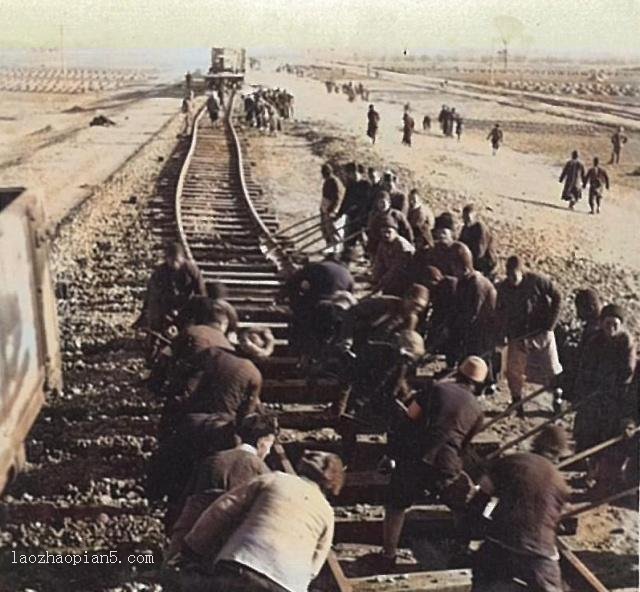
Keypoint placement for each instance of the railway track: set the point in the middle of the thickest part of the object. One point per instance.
(230, 231)
(207, 199)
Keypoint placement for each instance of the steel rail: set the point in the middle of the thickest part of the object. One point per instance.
(271, 243)
(180, 185)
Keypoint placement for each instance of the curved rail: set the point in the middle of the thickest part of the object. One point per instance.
(180, 185)
(266, 233)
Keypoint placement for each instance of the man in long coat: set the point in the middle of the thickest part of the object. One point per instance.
(572, 174)
(373, 121)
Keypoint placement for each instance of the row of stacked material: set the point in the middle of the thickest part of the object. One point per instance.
(70, 81)
(573, 88)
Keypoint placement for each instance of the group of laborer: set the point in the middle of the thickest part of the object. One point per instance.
(236, 525)
(450, 122)
(265, 108)
(348, 88)
(576, 178)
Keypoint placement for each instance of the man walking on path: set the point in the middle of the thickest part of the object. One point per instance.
(617, 140)
(596, 178)
(373, 121)
(408, 124)
(497, 137)
(572, 174)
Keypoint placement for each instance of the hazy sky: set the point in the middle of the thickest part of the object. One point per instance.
(593, 26)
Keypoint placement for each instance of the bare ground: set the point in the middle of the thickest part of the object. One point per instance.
(519, 196)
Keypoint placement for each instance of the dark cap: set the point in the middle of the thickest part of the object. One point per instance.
(389, 222)
(612, 310)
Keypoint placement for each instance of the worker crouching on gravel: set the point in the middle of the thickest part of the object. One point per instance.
(271, 535)
(521, 537)
(223, 471)
(440, 423)
(171, 285)
(379, 378)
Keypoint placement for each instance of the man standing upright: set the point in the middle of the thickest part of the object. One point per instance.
(527, 309)
(497, 137)
(373, 121)
(331, 192)
(355, 206)
(479, 239)
(408, 125)
(617, 140)
(596, 178)
(572, 175)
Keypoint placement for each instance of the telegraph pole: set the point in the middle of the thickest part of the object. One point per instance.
(62, 64)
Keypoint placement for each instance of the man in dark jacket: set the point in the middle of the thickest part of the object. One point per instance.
(527, 311)
(355, 206)
(572, 176)
(421, 219)
(373, 121)
(307, 289)
(408, 125)
(479, 239)
(225, 383)
(473, 325)
(225, 470)
(379, 218)
(171, 285)
(497, 137)
(442, 421)
(440, 255)
(605, 369)
(597, 179)
(331, 194)
(521, 538)
(392, 263)
(443, 302)
(210, 321)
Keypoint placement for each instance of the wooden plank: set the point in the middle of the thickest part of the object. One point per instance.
(576, 573)
(451, 580)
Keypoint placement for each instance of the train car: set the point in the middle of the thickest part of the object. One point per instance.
(30, 361)
(227, 66)
(227, 60)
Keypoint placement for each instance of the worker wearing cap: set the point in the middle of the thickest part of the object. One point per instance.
(523, 524)
(392, 263)
(399, 199)
(355, 206)
(331, 225)
(442, 420)
(379, 319)
(379, 216)
(604, 378)
(380, 377)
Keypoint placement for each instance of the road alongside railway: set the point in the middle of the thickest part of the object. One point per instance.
(52, 147)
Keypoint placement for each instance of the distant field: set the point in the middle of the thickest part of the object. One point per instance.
(605, 82)
(68, 81)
